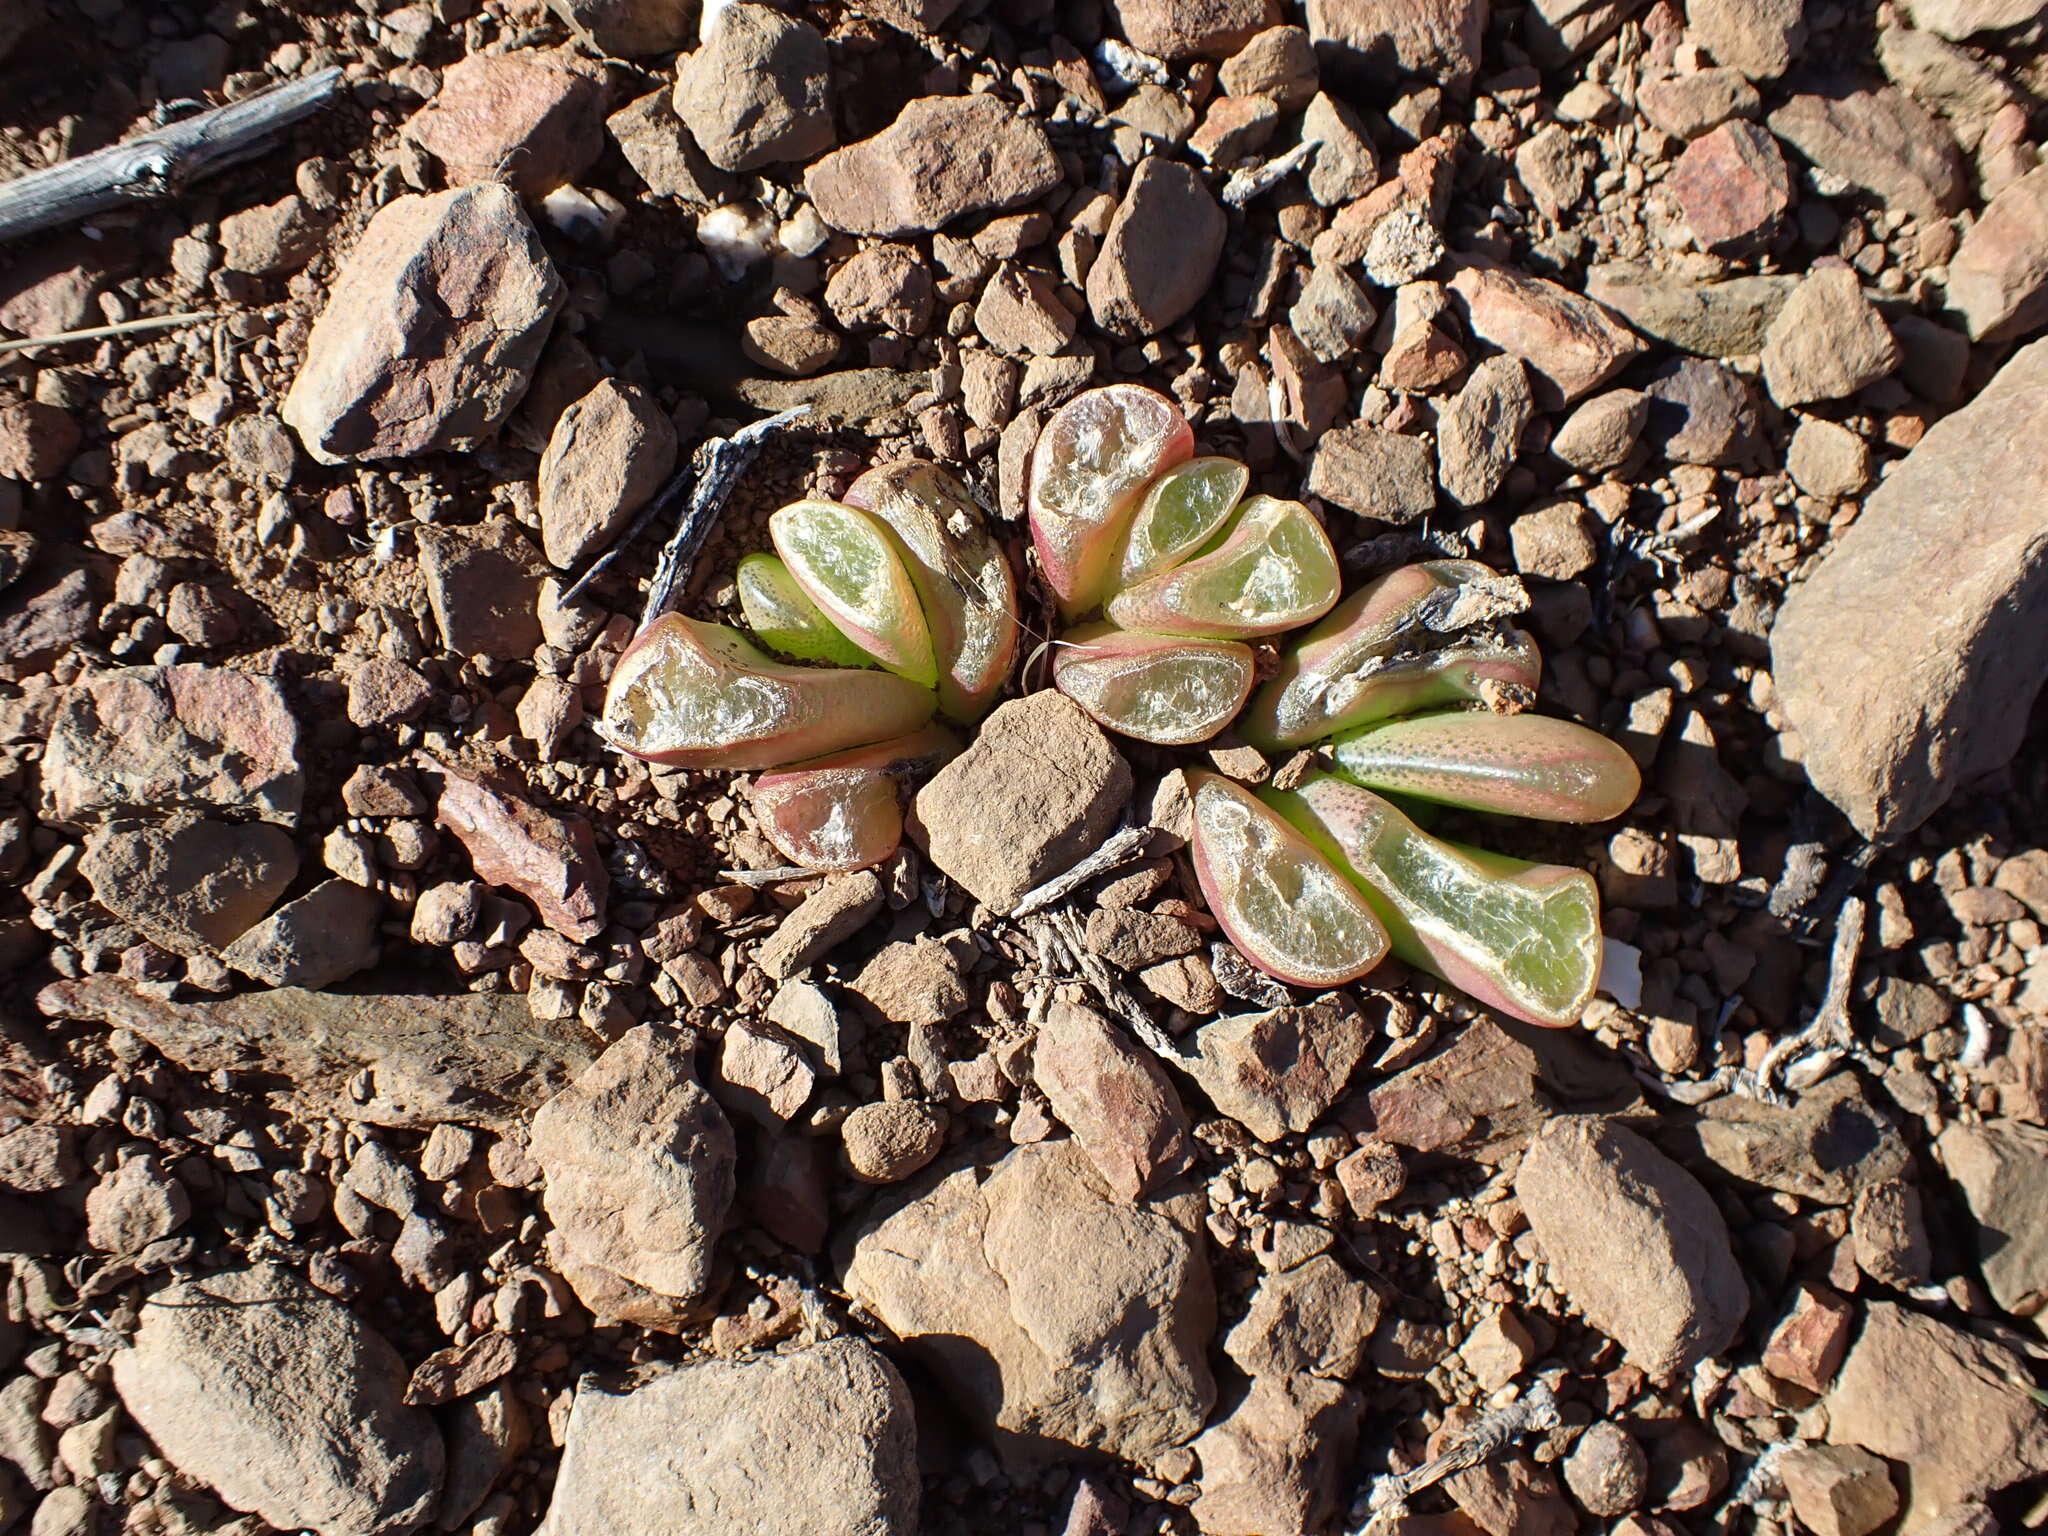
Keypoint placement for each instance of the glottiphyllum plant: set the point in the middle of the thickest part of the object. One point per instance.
(1412, 688)
(873, 616)
(883, 614)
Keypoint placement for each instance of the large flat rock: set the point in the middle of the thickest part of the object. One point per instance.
(1908, 660)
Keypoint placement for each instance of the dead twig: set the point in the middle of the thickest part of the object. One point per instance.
(1120, 848)
(1827, 1038)
(1385, 1498)
(162, 162)
(101, 332)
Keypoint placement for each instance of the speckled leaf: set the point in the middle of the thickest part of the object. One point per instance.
(1517, 765)
(784, 619)
(851, 566)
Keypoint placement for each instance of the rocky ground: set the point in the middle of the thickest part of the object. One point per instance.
(413, 1114)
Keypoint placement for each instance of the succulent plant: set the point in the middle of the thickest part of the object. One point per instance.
(880, 615)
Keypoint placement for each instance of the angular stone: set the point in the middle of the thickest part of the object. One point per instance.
(1481, 431)
(1049, 1309)
(1828, 341)
(885, 287)
(277, 1398)
(816, 1442)
(431, 330)
(1701, 413)
(402, 1059)
(1160, 253)
(1278, 63)
(1713, 319)
(1571, 344)
(1375, 42)
(608, 455)
(833, 913)
(1345, 167)
(156, 740)
(1191, 29)
(1556, 541)
(1998, 277)
(1759, 37)
(762, 1073)
(513, 117)
(322, 937)
(1837, 1490)
(1961, 19)
(134, 1206)
(1997, 1167)
(1020, 314)
(914, 981)
(653, 141)
(1376, 474)
(1114, 1097)
(483, 583)
(550, 860)
(1686, 106)
(45, 621)
(639, 1162)
(1988, 1435)
(1894, 717)
(1279, 1459)
(186, 883)
(1883, 141)
(943, 158)
(1601, 432)
(1732, 187)
(1635, 1243)
(627, 29)
(1827, 1146)
(1807, 1345)
(1315, 1318)
(1278, 1071)
(36, 440)
(758, 90)
(1040, 787)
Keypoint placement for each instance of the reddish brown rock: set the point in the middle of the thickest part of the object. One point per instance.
(1315, 1318)
(1960, 19)
(41, 622)
(1114, 1097)
(189, 883)
(513, 117)
(1160, 253)
(1278, 1071)
(1019, 313)
(1883, 141)
(153, 740)
(1570, 343)
(758, 91)
(1759, 37)
(1998, 278)
(36, 440)
(608, 455)
(1828, 341)
(1894, 717)
(943, 158)
(1377, 41)
(1837, 1490)
(1807, 1346)
(626, 29)
(385, 691)
(1732, 187)
(322, 937)
(1191, 29)
(483, 582)
(884, 286)
(431, 330)
(1988, 1434)
(1278, 1459)
(550, 860)
(1377, 474)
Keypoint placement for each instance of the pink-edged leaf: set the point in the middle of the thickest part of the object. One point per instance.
(1158, 688)
(1180, 512)
(1516, 765)
(845, 811)
(698, 695)
(1274, 570)
(1091, 461)
(1285, 905)
(851, 566)
(1522, 938)
(963, 579)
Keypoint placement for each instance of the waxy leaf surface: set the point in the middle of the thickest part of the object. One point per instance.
(1274, 570)
(850, 565)
(1091, 460)
(1158, 688)
(783, 617)
(1517, 765)
(1180, 512)
(845, 811)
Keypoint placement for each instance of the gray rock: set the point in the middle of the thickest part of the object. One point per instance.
(1480, 432)
(1882, 141)
(1160, 253)
(1713, 319)
(469, 1058)
(283, 1402)
(189, 884)
(1894, 717)
(758, 90)
(431, 330)
(1635, 1243)
(1383, 475)
(1828, 341)
(320, 938)
(1050, 1309)
(1040, 787)
(816, 1442)
(639, 1162)
(1997, 1166)
(1701, 413)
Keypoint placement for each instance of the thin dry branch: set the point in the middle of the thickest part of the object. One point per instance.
(162, 162)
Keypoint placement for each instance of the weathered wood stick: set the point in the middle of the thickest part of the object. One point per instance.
(159, 163)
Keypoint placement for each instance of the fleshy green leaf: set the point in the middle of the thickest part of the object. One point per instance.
(962, 576)
(784, 619)
(697, 695)
(1523, 938)
(845, 811)
(1274, 570)
(1290, 910)
(1158, 688)
(1517, 765)
(1180, 512)
(1092, 459)
(851, 566)
(1421, 637)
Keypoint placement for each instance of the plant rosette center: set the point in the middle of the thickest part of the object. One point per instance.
(885, 625)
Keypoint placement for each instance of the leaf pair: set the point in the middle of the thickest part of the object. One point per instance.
(1184, 568)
